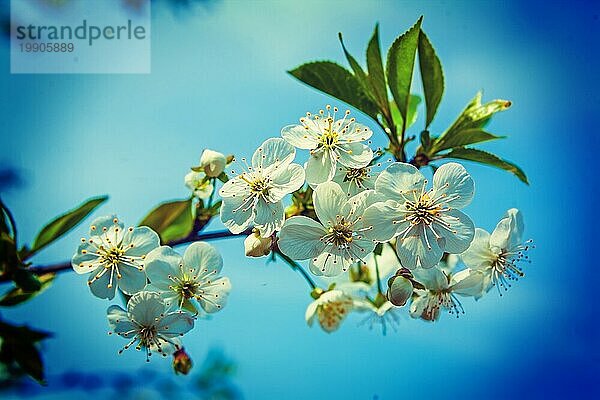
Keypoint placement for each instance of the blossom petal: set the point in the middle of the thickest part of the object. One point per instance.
(418, 305)
(269, 217)
(419, 249)
(328, 199)
(99, 287)
(175, 324)
(143, 240)
(170, 297)
(195, 181)
(354, 155)
(320, 167)
(285, 181)
(115, 314)
(461, 236)
(107, 222)
(132, 279)
(356, 205)
(518, 226)
(453, 182)
(214, 294)
(145, 307)
(509, 231)
(235, 187)
(311, 311)
(126, 329)
(386, 220)
(467, 283)
(361, 247)
(431, 278)
(399, 181)
(329, 263)
(237, 213)
(273, 153)
(300, 237)
(300, 137)
(161, 263)
(85, 259)
(479, 255)
(354, 132)
(201, 258)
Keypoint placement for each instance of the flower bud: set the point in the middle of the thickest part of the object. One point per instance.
(257, 246)
(182, 363)
(400, 289)
(213, 163)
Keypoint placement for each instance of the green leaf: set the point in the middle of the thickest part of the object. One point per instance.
(223, 177)
(18, 295)
(64, 223)
(412, 111)
(476, 115)
(18, 346)
(376, 76)
(171, 220)
(21, 333)
(358, 71)
(9, 259)
(26, 280)
(400, 67)
(336, 81)
(463, 138)
(432, 77)
(425, 140)
(5, 220)
(29, 359)
(484, 157)
(215, 209)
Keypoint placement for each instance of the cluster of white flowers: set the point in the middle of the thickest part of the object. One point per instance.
(165, 291)
(375, 238)
(424, 248)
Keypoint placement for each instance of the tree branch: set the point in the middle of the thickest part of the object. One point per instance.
(194, 237)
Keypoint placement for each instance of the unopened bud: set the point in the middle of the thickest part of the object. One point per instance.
(256, 245)
(213, 163)
(182, 363)
(400, 289)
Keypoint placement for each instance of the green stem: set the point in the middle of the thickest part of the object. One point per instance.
(298, 268)
(377, 273)
(212, 193)
(11, 220)
(395, 253)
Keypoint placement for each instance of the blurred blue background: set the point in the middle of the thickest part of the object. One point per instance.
(218, 80)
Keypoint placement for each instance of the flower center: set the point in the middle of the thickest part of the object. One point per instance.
(187, 289)
(147, 335)
(442, 298)
(340, 234)
(424, 210)
(329, 138)
(356, 174)
(258, 185)
(112, 256)
(505, 268)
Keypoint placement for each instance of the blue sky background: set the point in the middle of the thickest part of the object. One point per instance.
(218, 80)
